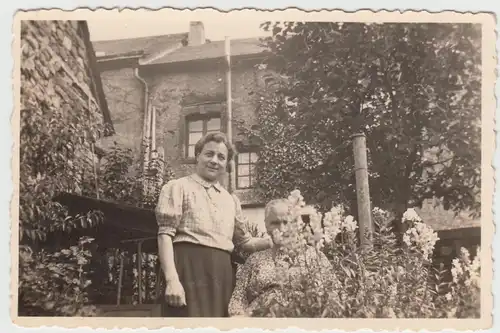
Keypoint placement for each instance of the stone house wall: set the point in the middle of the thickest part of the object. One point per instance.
(176, 94)
(59, 78)
(55, 66)
(125, 97)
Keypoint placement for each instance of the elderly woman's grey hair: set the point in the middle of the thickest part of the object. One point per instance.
(271, 205)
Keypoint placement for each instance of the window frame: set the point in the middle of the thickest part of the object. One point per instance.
(205, 118)
(252, 177)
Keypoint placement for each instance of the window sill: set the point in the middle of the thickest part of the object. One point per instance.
(245, 190)
(188, 160)
(249, 197)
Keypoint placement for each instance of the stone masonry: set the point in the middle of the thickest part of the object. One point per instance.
(55, 68)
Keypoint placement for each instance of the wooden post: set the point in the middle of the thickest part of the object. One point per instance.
(120, 281)
(153, 131)
(362, 189)
(146, 277)
(229, 112)
(139, 270)
(158, 280)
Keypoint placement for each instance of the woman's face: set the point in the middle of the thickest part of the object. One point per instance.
(212, 160)
(276, 222)
(276, 230)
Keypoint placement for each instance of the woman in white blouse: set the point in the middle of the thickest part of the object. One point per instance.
(199, 224)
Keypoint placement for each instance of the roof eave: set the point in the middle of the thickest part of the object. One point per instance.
(96, 79)
(120, 57)
(157, 55)
(239, 57)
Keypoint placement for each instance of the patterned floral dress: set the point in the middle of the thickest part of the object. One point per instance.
(267, 275)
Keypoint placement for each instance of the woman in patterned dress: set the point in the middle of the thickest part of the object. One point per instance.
(266, 275)
(199, 224)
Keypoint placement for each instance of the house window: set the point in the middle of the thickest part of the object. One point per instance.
(245, 169)
(197, 128)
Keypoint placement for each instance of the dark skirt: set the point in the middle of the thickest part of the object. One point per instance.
(207, 277)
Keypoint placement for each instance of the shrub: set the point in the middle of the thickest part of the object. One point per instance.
(55, 283)
(385, 280)
(53, 267)
(123, 179)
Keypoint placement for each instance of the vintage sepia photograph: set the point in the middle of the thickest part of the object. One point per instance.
(202, 165)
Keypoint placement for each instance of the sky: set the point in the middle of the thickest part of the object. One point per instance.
(118, 26)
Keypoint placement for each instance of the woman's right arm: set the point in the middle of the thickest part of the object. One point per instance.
(174, 292)
(166, 256)
(168, 216)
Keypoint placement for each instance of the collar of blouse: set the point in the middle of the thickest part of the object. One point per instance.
(206, 184)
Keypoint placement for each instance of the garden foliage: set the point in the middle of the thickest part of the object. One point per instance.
(415, 91)
(58, 154)
(384, 280)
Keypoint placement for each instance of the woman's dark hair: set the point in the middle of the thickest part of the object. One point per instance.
(215, 137)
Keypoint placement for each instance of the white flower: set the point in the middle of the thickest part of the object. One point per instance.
(448, 297)
(476, 263)
(339, 209)
(456, 270)
(475, 269)
(423, 237)
(296, 198)
(411, 215)
(332, 224)
(379, 212)
(464, 253)
(308, 210)
(406, 239)
(466, 270)
(315, 222)
(475, 280)
(350, 224)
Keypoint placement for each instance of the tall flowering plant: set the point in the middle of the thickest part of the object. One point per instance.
(463, 296)
(386, 280)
